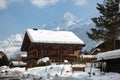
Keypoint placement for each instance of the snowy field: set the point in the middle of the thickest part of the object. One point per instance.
(58, 72)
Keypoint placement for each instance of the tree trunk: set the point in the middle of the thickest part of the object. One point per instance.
(114, 45)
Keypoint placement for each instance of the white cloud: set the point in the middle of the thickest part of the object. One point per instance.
(3, 4)
(80, 2)
(43, 3)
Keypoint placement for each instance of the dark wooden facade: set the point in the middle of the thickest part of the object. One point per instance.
(113, 65)
(109, 61)
(54, 51)
(106, 46)
(109, 65)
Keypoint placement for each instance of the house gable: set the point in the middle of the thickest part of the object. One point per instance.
(26, 43)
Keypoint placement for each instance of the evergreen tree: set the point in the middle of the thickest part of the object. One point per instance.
(108, 23)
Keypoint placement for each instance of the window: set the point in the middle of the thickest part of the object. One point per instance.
(70, 51)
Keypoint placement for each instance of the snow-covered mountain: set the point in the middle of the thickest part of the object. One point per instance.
(69, 19)
(11, 45)
(64, 23)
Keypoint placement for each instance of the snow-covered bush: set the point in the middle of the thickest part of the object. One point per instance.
(44, 61)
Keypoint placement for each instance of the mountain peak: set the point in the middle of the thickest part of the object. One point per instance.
(69, 19)
(69, 15)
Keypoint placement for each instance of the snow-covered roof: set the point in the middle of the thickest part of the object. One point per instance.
(47, 36)
(23, 55)
(79, 65)
(100, 42)
(109, 55)
(88, 56)
(17, 63)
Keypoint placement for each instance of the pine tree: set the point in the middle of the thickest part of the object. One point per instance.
(107, 25)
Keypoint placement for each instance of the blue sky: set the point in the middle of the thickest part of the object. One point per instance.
(18, 15)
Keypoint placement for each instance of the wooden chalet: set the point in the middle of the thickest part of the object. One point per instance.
(57, 45)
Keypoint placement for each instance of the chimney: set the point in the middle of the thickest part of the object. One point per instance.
(35, 29)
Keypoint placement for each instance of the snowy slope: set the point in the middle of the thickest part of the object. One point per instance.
(57, 72)
(11, 45)
(64, 72)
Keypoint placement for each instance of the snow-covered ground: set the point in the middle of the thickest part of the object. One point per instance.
(60, 72)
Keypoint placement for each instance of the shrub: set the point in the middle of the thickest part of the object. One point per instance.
(3, 59)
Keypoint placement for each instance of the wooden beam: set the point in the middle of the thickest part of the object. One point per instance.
(30, 52)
